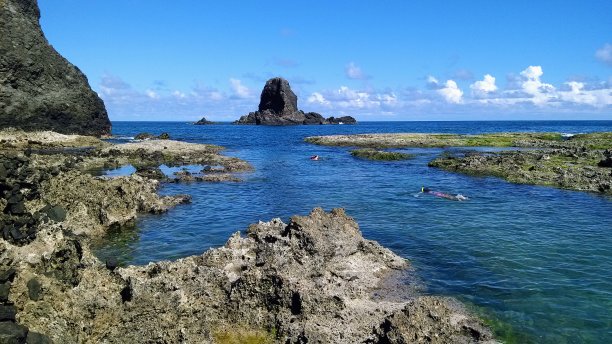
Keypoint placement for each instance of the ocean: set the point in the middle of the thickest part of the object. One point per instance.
(535, 261)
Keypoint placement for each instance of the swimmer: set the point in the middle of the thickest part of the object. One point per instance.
(314, 157)
(457, 197)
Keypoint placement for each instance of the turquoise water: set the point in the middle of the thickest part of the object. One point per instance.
(536, 259)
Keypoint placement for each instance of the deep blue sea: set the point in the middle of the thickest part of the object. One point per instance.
(535, 260)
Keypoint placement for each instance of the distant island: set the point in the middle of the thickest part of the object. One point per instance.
(278, 106)
(203, 121)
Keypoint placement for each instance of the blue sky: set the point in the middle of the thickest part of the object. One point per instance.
(384, 60)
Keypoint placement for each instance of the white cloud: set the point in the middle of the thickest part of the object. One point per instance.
(347, 98)
(354, 72)
(532, 85)
(317, 98)
(239, 89)
(179, 94)
(451, 92)
(483, 87)
(152, 94)
(432, 83)
(577, 94)
(604, 54)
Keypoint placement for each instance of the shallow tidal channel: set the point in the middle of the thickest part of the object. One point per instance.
(534, 260)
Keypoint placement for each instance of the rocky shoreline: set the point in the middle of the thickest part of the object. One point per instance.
(580, 162)
(313, 279)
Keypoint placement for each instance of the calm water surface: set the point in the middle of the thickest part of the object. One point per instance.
(536, 260)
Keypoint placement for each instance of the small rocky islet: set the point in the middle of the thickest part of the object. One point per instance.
(580, 162)
(278, 106)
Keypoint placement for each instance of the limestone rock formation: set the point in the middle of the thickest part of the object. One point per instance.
(39, 89)
(278, 106)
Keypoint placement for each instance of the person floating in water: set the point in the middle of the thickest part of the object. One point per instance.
(314, 157)
(457, 197)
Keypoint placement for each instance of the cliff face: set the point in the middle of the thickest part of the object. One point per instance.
(39, 89)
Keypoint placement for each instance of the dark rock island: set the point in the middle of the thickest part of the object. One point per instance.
(203, 121)
(39, 89)
(278, 106)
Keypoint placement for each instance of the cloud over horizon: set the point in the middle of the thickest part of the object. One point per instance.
(526, 92)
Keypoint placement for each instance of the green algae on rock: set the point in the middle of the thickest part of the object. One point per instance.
(400, 140)
(573, 169)
(373, 154)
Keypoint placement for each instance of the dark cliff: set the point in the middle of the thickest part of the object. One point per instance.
(40, 89)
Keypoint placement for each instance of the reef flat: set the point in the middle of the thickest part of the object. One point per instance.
(581, 162)
(314, 278)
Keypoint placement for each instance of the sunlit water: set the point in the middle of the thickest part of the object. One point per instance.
(537, 260)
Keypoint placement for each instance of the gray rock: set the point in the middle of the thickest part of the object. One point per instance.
(34, 289)
(12, 333)
(57, 214)
(7, 313)
(39, 89)
(7, 275)
(5, 289)
(37, 338)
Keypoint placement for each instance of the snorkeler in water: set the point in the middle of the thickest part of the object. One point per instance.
(457, 197)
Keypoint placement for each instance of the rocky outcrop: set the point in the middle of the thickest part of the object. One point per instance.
(574, 169)
(203, 121)
(342, 120)
(39, 89)
(278, 106)
(314, 279)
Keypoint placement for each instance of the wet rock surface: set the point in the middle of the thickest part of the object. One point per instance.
(312, 279)
(580, 162)
(278, 106)
(574, 169)
(39, 89)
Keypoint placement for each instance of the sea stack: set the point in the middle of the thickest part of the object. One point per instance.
(40, 89)
(278, 106)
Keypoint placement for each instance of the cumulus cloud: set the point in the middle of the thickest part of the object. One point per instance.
(354, 72)
(239, 90)
(539, 91)
(451, 92)
(347, 98)
(578, 94)
(482, 88)
(604, 54)
(318, 98)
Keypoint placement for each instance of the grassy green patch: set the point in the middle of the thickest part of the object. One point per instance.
(601, 140)
(372, 154)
